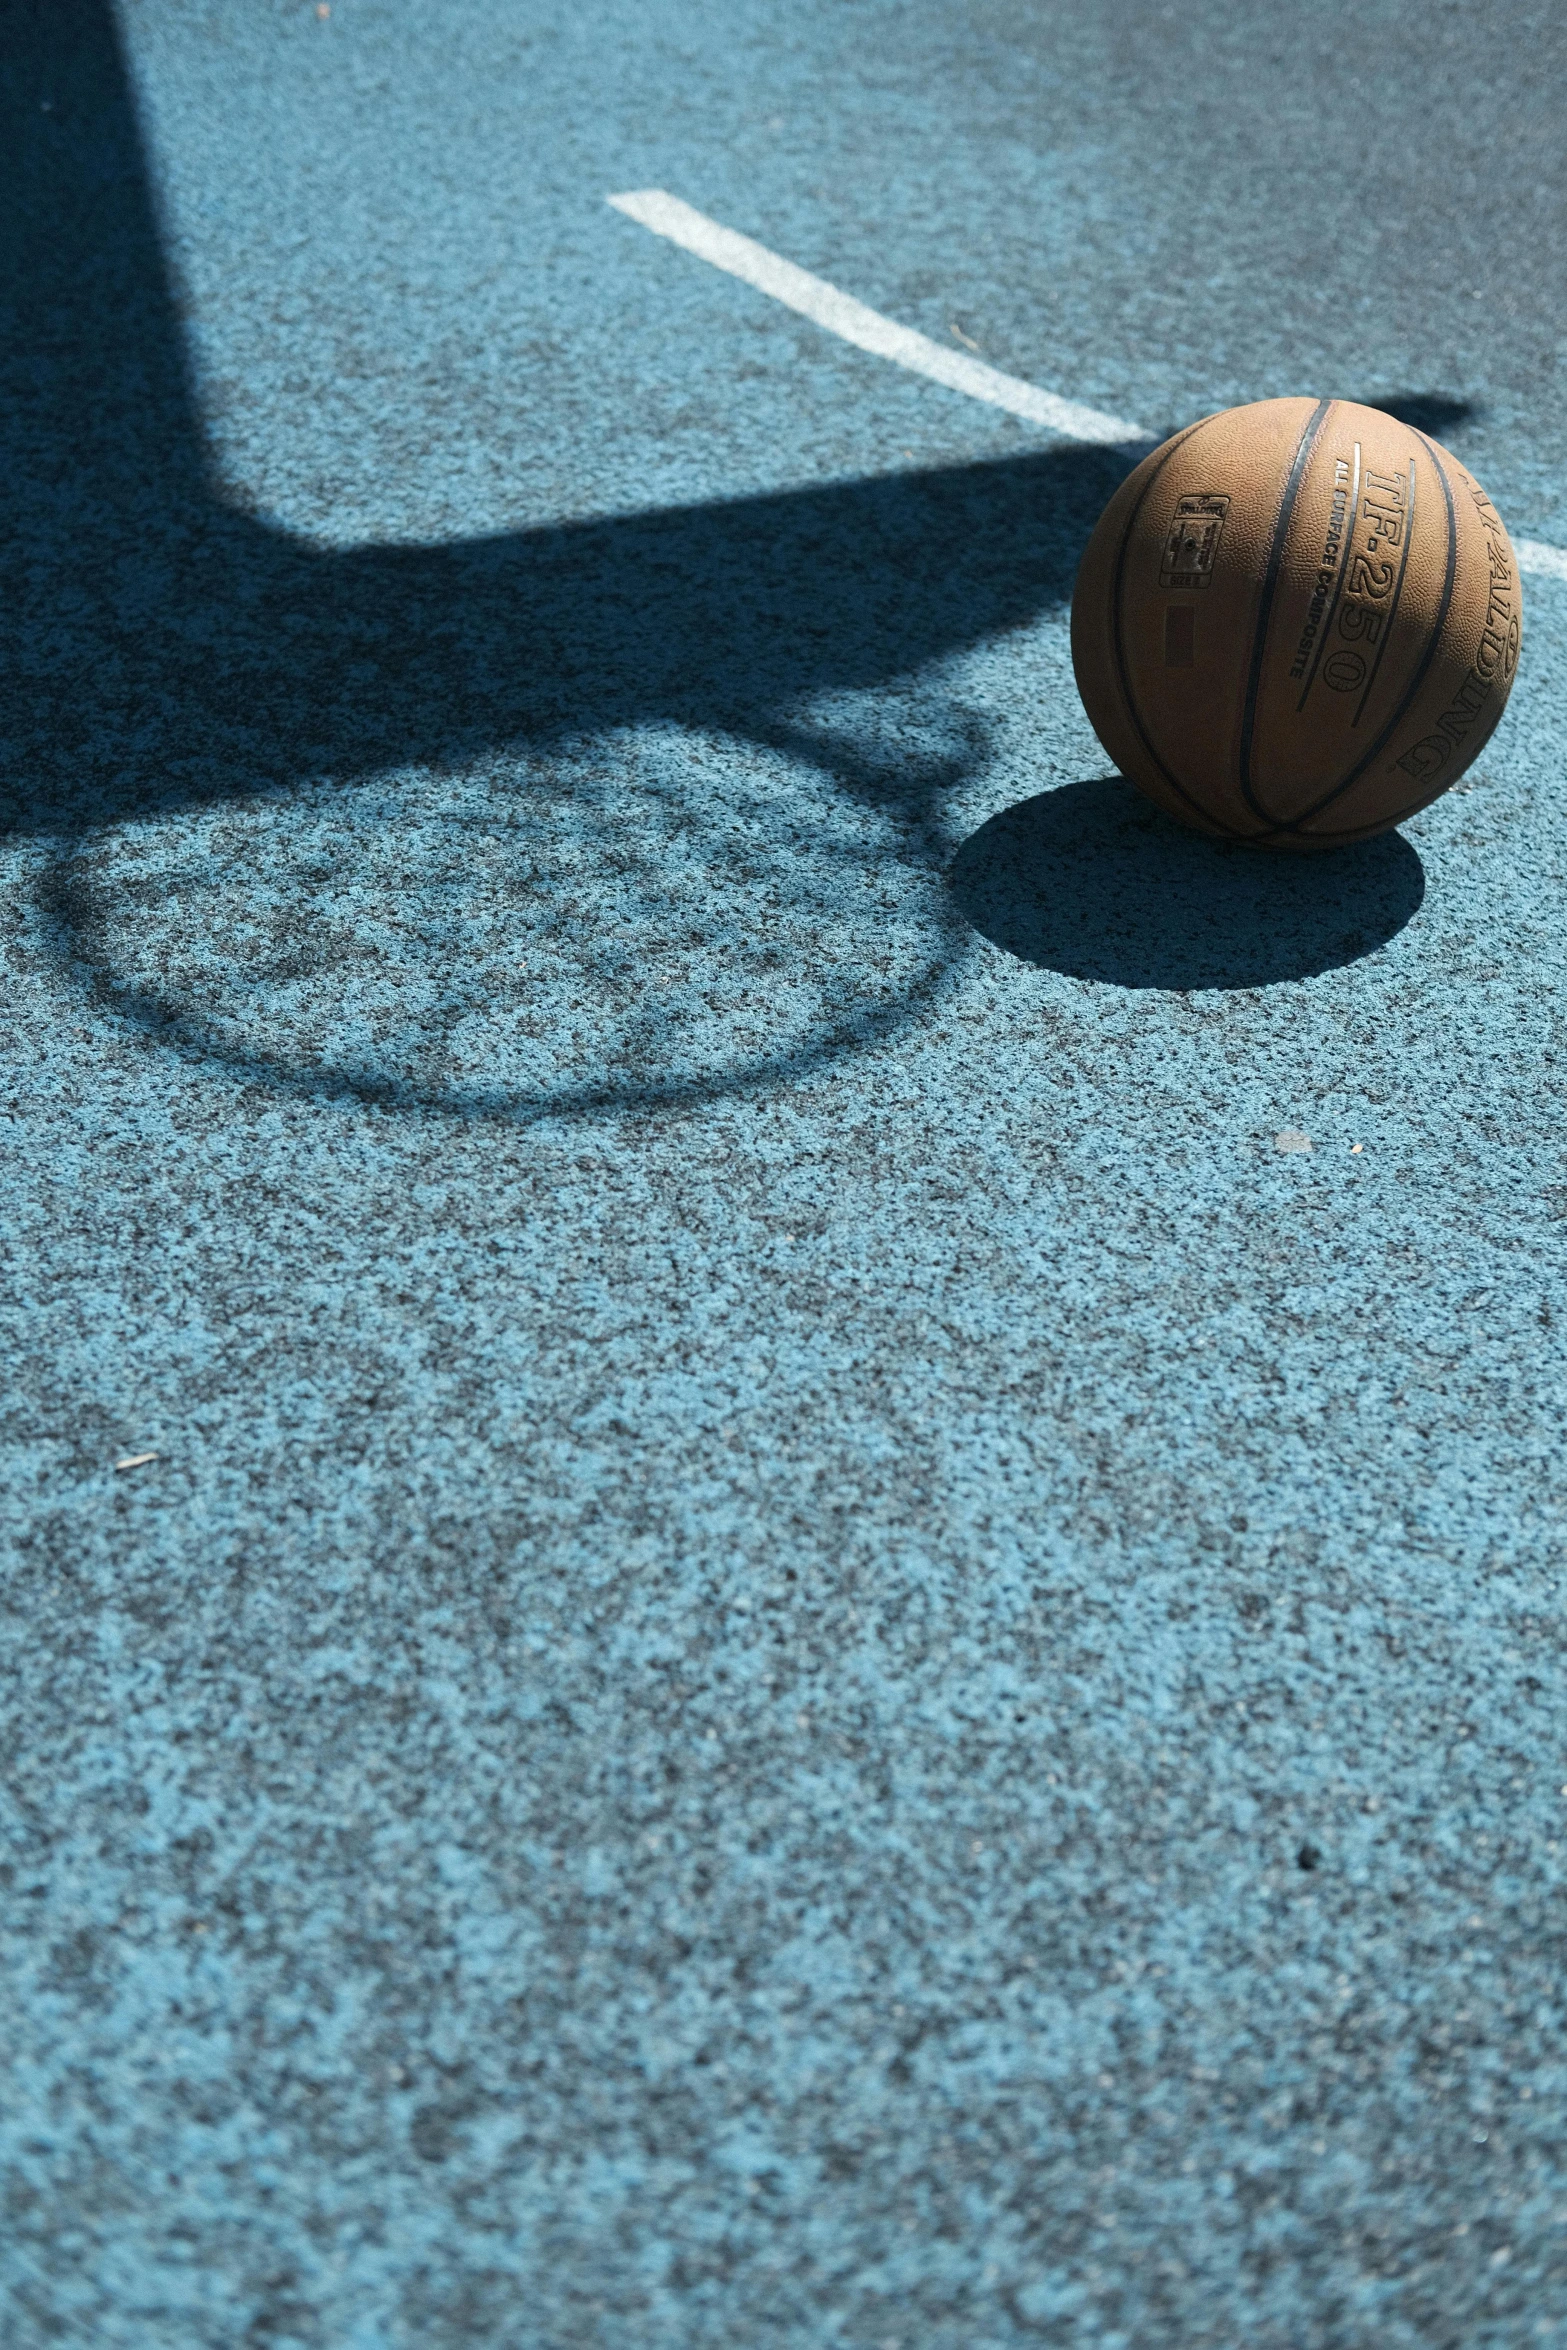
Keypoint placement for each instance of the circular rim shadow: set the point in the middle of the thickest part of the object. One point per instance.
(1092, 881)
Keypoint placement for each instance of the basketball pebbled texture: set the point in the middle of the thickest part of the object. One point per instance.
(1296, 623)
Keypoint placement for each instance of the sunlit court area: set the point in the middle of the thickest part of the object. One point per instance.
(784, 1196)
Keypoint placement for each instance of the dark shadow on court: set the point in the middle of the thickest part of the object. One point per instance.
(1092, 881)
(1431, 412)
(172, 650)
(166, 651)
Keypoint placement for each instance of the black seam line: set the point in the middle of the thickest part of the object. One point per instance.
(1377, 824)
(1118, 645)
(1419, 678)
(1308, 441)
(1398, 589)
(1343, 570)
(1354, 832)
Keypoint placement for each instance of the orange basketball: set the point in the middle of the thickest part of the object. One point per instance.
(1296, 623)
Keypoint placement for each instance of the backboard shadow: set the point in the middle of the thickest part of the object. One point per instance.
(170, 657)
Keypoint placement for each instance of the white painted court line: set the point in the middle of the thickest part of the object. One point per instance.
(1545, 562)
(814, 298)
(857, 323)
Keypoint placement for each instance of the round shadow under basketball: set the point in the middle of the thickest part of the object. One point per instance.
(1092, 881)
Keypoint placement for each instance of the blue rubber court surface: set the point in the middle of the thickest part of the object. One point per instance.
(784, 1522)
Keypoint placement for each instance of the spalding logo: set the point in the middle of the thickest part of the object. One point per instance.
(1192, 540)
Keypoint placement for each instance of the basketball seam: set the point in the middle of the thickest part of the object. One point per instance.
(1419, 678)
(1398, 597)
(1310, 434)
(1117, 647)
(1343, 573)
(1337, 840)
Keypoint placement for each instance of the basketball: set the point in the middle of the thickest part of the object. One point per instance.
(1296, 623)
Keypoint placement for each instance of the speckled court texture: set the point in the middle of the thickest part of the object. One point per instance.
(814, 1659)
